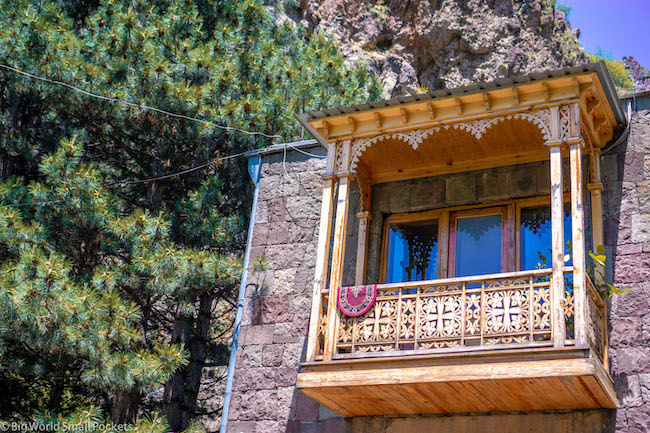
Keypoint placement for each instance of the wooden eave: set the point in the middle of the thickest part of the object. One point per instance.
(585, 88)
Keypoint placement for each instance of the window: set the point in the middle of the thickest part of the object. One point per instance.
(412, 251)
(466, 242)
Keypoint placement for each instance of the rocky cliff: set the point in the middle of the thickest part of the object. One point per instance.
(415, 45)
(640, 74)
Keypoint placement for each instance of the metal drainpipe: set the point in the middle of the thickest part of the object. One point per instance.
(254, 169)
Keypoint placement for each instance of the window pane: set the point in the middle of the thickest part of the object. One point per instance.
(412, 252)
(536, 237)
(478, 245)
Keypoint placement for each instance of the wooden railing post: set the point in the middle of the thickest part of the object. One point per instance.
(596, 188)
(338, 248)
(577, 230)
(558, 326)
(322, 253)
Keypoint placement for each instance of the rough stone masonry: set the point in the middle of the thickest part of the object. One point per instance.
(279, 290)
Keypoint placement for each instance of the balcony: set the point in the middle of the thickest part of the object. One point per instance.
(474, 344)
(503, 338)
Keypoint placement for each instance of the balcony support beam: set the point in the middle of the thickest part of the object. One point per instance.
(557, 224)
(577, 232)
(322, 254)
(338, 249)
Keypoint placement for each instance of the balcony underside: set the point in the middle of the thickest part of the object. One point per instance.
(495, 381)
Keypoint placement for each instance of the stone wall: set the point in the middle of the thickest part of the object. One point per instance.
(278, 298)
(626, 175)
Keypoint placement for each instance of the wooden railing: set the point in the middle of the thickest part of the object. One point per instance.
(597, 323)
(460, 314)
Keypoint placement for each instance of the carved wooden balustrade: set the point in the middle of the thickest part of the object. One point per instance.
(510, 310)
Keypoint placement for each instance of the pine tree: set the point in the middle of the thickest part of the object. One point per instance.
(108, 285)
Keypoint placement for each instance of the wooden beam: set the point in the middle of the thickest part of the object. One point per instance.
(338, 255)
(322, 254)
(545, 91)
(557, 228)
(576, 87)
(352, 123)
(486, 101)
(432, 113)
(378, 119)
(459, 106)
(515, 95)
(402, 112)
(577, 234)
(326, 129)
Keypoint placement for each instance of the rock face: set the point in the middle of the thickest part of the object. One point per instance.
(640, 74)
(437, 44)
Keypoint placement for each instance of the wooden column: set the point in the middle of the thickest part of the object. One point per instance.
(338, 250)
(577, 231)
(595, 192)
(362, 254)
(322, 254)
(557, 229)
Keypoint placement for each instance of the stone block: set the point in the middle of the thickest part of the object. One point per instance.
(400, 196)
(523, 181)
(638, 419)
(284, 333)
(621, 198)
(633, 166)
(305, 231)
(259, 283)
(460, 189)
(260, 234)
(285, 376)
(302, 208)
(272, 355)
(285, 256)
(428, 193)
(311, 183)
(626, 331)
(628, 391)
(259, 405)
(284, 281)
(493, 185)
(306, 409)
(252, 356)
(633, 268)
(262, 212)
(336, 425)
(304, 281)
(278, 233)
(292, 355)
(640, 228)
(632, 360)
(609, 168)
(270, 309)
(277, 210)
(627, 249)
(644, 385)
(381, 198)
(543, 178)
(240, 427)
(286, 405)
(633, 303)
(326, 413)
(256, 334)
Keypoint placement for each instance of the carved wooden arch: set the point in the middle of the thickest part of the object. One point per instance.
(539, 118)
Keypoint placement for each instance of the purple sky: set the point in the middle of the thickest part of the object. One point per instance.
(618, 26)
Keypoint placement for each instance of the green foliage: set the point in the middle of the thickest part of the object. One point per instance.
(564, 8)
(108, 284)
(616, 68)
(598, 278)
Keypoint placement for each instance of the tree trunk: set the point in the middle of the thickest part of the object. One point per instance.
(181, 391)
(125, 407)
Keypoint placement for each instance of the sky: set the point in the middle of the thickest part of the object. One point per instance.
(618, 26)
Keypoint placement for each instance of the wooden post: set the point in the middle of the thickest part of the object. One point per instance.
(322, 253)
(577, 233)
(595, 191)
(364, 220)
(338, 253)
(557, 228)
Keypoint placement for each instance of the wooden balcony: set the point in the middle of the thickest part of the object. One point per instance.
(473, 344)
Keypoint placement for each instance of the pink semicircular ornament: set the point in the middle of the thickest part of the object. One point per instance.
(356, 300)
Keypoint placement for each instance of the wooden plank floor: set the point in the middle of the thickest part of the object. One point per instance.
(494, 386)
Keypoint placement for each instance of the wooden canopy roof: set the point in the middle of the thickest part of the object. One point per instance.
(478, 126)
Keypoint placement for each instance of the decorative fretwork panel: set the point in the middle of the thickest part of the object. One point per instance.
(480, 312)
(596, 321)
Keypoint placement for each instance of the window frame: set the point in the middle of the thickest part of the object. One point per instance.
(510, 211)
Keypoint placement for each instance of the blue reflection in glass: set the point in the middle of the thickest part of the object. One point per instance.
(478, 245)
(412, 252)
(536, 237)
